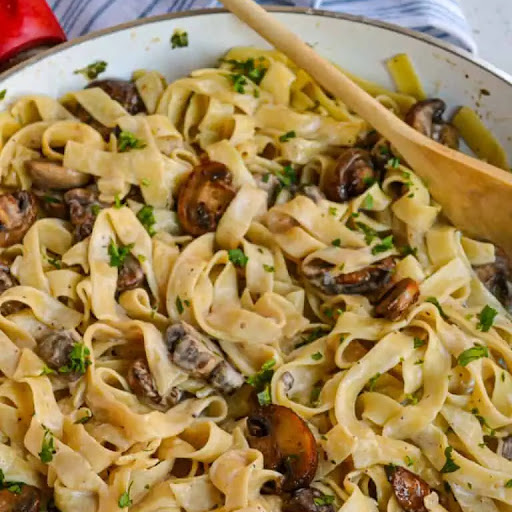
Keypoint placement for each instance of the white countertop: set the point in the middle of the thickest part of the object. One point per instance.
(492, 29)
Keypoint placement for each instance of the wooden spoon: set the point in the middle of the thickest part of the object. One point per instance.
(474, 195)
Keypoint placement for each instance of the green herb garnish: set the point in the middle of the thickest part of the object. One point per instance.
(394, 162)
(145, 182)
(239, 81)
(179, 305)
(369, 233)
(449, 465)
(385, 245)
(486, 318)
(434, 301)
(472, 354)
(146, 216)
(287, 136)
(237, 257)
(127, 140)
(92, 71)
(118, 254)
(336, 242)
(47, 447)
(268, 268)
(248, 69)
(325, 499)
(367, 202)
(261, 381)
(373, 381)
(125, 500)
(179, 39)
(79, 360)
(287, 177)
(418, 342)
(3, 92)
(47, 370)
(317, 356)
(84, 419)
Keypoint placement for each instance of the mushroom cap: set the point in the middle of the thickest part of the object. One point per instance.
(204, 197)
(123, 91)
(48, 174)
(395, 301)
(410, 490)
(28, 500)
(18, 211)
(287, 444)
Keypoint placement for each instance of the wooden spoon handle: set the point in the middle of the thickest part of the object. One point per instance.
(325, 73)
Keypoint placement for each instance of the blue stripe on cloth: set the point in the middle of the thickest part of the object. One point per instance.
(441, 18)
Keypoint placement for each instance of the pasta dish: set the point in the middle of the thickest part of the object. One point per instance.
(230, 293)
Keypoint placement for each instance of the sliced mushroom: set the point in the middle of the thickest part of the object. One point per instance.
(495, 277)
(398, 299)
(427, 117)
(366, 280)
(18, 211)
(7, 280)
(287, 444)
(410, 490)
(84, 205)
(131, 275)
(204, 197)
(52, 203)
(307, 500)
(312, 191)
(55, 349)
(124, 92)
(27, 500)
(48, 174)
(351, 175)
(506, 447)
(143, 385)
(200, 358)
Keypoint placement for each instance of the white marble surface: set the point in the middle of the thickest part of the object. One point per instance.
(492, 28)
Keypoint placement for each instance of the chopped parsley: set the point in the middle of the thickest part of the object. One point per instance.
(333, 211)
(47, 370)
(486, 318)
(239, 82)
(238, 257)
(324, 500)
(449, 465)
(480, 418)
(394, 162)
(51, 199)
(419, 361)
(117, 202)
(145, 182)
(434, 301)
(367, 203)
(118, 254)
(315, 394)
(409, 461)
(369, 233)
(508, 484)
(406, 250)
(249, 69)
(84, 419)
(55, 263)
(287, 136)
(317, 356)
(373, 381)
(418, 342)
(336, 242)
(79, 360)
(179, 39)
(261, 381)
(312, 336)
(385, 245)
(95, 209)
(127, 140)
(125, 500)
(472, 354)
(179, 305)
(92, 71)
(146, 216)
(3, 92)
(287, 177)
(141, 258)
(14, 487)
(268, 268)
(410, 399)
(47, 447)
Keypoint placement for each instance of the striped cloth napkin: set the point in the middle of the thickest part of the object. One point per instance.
(440, 18)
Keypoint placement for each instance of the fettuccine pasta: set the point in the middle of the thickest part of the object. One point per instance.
(229, 293)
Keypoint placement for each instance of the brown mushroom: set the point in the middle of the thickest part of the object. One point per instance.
(410, 490)
(427, 117)
(307, 500)
(84, 206)
(18, 211)
(196, 354)
(287, 444)
(124, 92)
(55, 349)
(366, 280)
(506, 447)
(7, 280)
(52, 203)
(495, 277)
(131, 275)
(350, 176)
(204, 197)
(28, 499)
(49, 174)
(395, 302)
(143, 385)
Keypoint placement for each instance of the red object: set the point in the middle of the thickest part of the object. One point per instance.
(25, 24)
